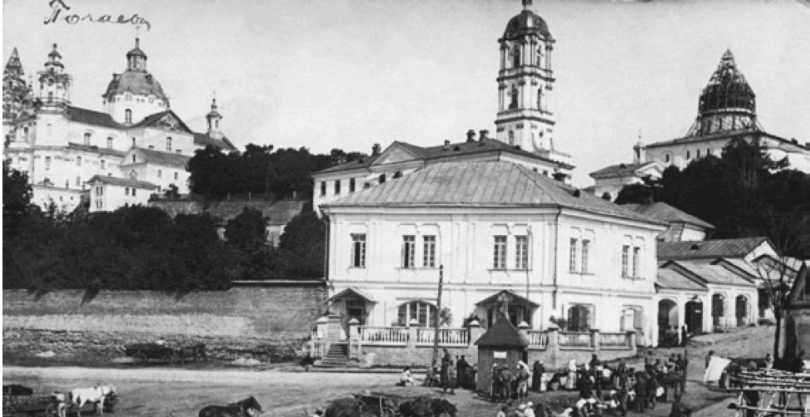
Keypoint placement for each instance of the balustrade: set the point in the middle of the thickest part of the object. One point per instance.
(538, 339)
(383, 335)
(447, 337)
(576, 340)
(614, 340)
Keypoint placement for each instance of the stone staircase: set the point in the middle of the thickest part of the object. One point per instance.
(337, 356)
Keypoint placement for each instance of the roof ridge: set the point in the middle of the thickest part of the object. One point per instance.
(531, 176)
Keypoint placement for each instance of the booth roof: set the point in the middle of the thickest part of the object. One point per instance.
(502, 335)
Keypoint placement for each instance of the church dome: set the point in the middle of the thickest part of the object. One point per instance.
(136, 83)
(526, 22)
(727, 89)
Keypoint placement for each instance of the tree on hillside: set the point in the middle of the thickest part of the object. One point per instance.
(635, 194)
(247, 231)
(303, 245)
(17, 196)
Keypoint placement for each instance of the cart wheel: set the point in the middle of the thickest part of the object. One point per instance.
(140, 358)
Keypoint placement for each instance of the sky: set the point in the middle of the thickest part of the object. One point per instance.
(346, 74)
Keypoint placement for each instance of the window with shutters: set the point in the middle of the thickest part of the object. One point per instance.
(572, 255)
(408, 251)
(625, 260)
(499, 253)
(429, 252)
(521, 252)
(358, 250)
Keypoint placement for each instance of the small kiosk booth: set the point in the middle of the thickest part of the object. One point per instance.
(503, 345)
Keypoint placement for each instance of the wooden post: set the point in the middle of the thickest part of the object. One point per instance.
(436, 319)
(685, 368)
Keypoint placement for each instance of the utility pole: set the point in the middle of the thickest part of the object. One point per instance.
(436, 319)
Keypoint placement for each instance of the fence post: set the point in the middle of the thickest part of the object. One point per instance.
(631, 337)
(553, 347)
(354, 338)
(413, 333)
(523, 329)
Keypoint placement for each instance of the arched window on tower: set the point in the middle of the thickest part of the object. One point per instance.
(87, 136)
(128, 116)
(514, 103)
(168, 144)
(110, 142)
(512, 137)
(516, 56)
(540, 56)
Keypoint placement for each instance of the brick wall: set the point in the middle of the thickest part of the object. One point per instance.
(244, 319)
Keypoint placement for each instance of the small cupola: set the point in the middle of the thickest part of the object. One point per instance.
(136, 58)
(213, 118)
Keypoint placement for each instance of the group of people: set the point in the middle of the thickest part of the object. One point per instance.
(507, 384)
(452, 374)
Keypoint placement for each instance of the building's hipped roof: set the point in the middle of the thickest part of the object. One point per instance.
(151, 156)
(96, 149)
(720, 248)
(620, 170)
(445, 151)
(672, 280)
(482, 184)
(122, 182)
(517, 299)
(203, 139)
(723, 136)
(667, 213)
(709, 272)
(92, 118)
(502, 335)
(153, 120)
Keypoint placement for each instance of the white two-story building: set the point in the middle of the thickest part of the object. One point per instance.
(498, 231)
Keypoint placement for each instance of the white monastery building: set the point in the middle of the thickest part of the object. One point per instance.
(135, 147)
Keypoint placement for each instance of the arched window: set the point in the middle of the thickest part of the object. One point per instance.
(25, 134)
(512, 137)
(168, 144)
(697, 153)
(514, 102)
(516, 56)
(666, 158)
(110, 142)
(103, 164)
(708, 151)
(79, 160)
(688, 155)
(382, 178)
(128, 116)
(134, 159)
(579, 318)
(50, 96)
(539, 56)
(417, 313)
(133, 142)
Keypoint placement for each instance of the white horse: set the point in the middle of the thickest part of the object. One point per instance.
(95, 395)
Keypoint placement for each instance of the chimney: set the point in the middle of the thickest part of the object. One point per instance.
(446, 144)
(375, 150)
(470, 135)
(807, 145)
(483, 135)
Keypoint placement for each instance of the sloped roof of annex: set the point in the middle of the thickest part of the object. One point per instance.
(406, 153)
(708, 272)
(482, 184)
(665, 212)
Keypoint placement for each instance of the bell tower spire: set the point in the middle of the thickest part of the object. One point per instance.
(525, 81)
(213, 118)
(54, 83)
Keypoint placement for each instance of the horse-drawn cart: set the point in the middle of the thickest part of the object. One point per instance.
(48, 405)
(383, 405)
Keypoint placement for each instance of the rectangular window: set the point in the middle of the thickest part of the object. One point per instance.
(572, 255)
(168, 144)
(78, 181)
(359, 250)
(337, 187)
(500, 253)
(103, 164)
(47, 163)
(429, 256)
(351, 185)
(126, 191)
(99, 190)
(133, 192)
(323, 188)
(98, 204)
(176, 175)
(79, 160)
(625, 260)
(636, 260)
(408, 249)
(586, 253)
(522, 252)
(160, 173)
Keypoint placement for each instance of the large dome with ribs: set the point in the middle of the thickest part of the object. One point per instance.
(526, 22)
(727, 89)
(135, 80)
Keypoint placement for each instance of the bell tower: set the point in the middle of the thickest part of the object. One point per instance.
(54, 83)
(525, 81)
(213, 118)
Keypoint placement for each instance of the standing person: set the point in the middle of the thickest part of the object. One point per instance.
(443, 373)
(537, 377)
(684, 334)
(451, 377)
(506, 383)
(463, 368)
(709, 358)
(768, 361)
(571, 383)
(594, 361)
(496, 382)
(523, 376)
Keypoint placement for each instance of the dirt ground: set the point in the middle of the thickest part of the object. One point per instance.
(163, 392)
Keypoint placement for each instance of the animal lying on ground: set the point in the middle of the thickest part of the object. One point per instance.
(238, 409)
(15, 389)
(96, 395)
(427, 407)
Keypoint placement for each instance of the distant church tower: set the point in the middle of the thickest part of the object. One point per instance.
(525, 81)
(135, 93)
(17, 97)
(54, 84)
(213, 118)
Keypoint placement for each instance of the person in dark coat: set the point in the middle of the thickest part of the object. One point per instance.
(451, 378)
(463, 368)
(684, 333)
(444, 375)
(537, 377)
(506, 383)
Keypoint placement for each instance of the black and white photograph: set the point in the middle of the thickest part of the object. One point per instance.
(411, 208)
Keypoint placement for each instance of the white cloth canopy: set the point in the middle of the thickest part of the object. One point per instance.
(715, 369)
